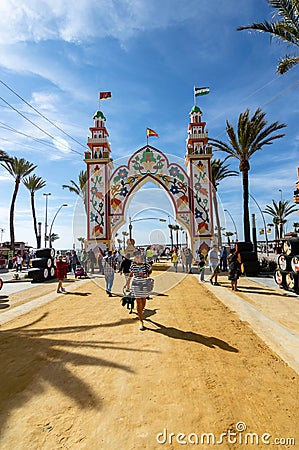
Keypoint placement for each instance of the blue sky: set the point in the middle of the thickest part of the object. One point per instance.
(149, 55)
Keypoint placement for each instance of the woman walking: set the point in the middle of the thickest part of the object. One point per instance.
(234, 269)
(140, 271)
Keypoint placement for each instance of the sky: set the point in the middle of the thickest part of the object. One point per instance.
(150, 55)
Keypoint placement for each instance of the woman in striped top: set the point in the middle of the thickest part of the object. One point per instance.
(140, 271)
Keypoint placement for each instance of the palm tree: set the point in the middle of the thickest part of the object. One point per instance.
(80, 187)
(285, 29)
(3, 156)
(279, 211)
(33, 184)
(219, 171)
(252, 134)
(82, 240)
(18, 169)
(228, 234)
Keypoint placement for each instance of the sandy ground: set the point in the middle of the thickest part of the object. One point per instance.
(77, 373)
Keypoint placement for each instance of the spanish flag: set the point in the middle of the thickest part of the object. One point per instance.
(150, 132)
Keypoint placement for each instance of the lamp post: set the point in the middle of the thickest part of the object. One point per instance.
(46, 217)
(280, 190)
(138, 220)
(2, 231)
(226, 210)
(263, 217)
(50, 233)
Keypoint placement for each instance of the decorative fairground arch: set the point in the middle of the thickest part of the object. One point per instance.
(189, 188)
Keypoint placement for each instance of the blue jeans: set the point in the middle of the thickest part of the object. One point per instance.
(109, 282)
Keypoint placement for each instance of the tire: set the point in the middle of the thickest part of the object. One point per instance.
(291, 246)
(36, 274)
(1, 284)
(41, 263)
(45, 253)
(52, 272)
(247, 256)
(46, 273)
(292, 282)
(244, 247)
(280, 278)
(284, 262)
(250, 268)
(295, 264)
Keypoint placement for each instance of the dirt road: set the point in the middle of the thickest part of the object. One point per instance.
(77, 373)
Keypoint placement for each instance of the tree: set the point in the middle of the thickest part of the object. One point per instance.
(82, 240)
(219, 171)
(18, 169)
(279, 211)
(80, 187)
(3, 156)
(228, 234)
(285, 29)
(33, 184)
(252, 134)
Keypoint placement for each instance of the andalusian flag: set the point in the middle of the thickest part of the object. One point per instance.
(105, 95)
(150, 132)
(201, 91)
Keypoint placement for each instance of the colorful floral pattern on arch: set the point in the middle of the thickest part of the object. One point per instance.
(97, 202)
(201, 195)
(149, 162)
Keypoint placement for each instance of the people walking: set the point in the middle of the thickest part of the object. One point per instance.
(74, 260)
(140, 270)
(234, 269)
(188, 260)
(174, 259)
(125, 269)
(213, 261)
(201, 267)
(92, 260)
(223, 259)
(61, 271)
(109, 270)
(100, 262)
(19, 262)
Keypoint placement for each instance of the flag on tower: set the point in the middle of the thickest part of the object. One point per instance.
(201, 91)
(105, 95)
(150, 132)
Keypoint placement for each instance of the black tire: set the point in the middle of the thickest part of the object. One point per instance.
(45, 253)
(36, 274)
(295, 264)
(292, 282)
(52, 272)
(250, 268)
(247, 256)
(280, 278)
(291, 246)
(244, 247)
(41, 263)
(46, 273)
(1, 284)
(284, 262)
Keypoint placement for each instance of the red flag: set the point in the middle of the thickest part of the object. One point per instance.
(105, 95)
(150, 132)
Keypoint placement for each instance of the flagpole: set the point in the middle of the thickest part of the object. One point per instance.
(194, 96)
(146, 138)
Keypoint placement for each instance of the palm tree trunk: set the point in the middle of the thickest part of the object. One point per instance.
(34, 219)
(281, 230)
(11, 215)
(215, 203)
(246, 221)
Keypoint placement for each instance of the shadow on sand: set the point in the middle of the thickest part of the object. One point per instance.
(32, 357)
(175, 333)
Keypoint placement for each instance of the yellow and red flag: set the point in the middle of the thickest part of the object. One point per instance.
(150, 132)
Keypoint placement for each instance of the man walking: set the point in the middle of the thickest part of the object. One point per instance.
(213, 260)
(109, 269)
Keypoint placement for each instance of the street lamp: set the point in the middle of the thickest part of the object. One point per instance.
(50, 233)
(2, 231)
(46, 217)
(280, 190)
(137, 220)
(263, 217)
(226, 210)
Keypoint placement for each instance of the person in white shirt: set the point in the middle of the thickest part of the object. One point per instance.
(213, 261)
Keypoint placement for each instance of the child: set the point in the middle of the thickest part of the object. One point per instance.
(201, 266)
(61, 270)
(174, 260)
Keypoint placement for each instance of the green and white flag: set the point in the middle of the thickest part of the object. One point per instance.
(201, 91)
